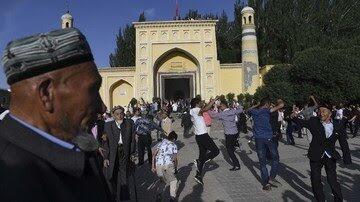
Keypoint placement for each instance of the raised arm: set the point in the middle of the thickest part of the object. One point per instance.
(316, 104)
(300, 122)
(279, 105)
(208, 106)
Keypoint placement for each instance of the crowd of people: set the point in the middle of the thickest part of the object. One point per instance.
(58, 143)
(267, 120)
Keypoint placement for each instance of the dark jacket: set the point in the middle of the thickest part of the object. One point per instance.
(33, 168)
(128, 138)
(319, 141)
(186, 120)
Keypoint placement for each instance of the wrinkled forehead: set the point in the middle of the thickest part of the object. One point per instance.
(84, 72)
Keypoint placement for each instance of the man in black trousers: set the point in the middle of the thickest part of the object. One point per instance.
(119, 148)
(322, 151)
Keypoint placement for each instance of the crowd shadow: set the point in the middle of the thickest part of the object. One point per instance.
(183, 174)
(249, 163)
(296, 180)
(195, 194)
(146, 183)
(291, 196)
(210, 166)
(350, 182)
(179, 144)
(292, 177)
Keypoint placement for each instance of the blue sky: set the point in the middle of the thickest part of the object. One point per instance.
(98, 20)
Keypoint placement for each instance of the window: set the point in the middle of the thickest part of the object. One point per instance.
(244, 20)
(67, 24)
(249, 19)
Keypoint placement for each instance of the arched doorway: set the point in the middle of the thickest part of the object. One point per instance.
(176, 75)
(121, 92)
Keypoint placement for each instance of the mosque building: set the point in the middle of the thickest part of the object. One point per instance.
(178, 59)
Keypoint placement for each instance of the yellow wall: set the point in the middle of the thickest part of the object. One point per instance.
(121, 93)
(164, 45)
(231, 78)
(117, 86)
(155, 39)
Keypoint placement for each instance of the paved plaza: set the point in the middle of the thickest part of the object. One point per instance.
(220, 184)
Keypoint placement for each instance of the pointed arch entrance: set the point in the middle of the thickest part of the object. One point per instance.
(120, 93)
(176, 75)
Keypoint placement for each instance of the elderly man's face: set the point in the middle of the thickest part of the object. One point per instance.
(77, 101)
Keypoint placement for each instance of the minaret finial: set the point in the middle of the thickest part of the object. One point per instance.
(67, 6)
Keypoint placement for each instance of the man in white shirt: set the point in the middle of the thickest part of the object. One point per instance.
(207, 148)
(175, 107)
(137, 114)
(165, 162)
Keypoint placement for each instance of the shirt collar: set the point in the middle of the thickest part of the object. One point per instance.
(45, 134)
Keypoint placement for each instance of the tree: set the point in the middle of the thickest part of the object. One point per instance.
(124, 54)
(142, 17)
(332, 75)
(192, 14)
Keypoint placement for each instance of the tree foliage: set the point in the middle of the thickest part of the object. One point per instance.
(332, 75)
(124, 54)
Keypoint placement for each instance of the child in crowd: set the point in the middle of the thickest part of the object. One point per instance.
(165, 163)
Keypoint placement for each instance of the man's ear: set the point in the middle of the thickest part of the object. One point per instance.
(46, 93)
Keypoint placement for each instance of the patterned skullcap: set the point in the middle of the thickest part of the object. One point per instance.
(34, 55)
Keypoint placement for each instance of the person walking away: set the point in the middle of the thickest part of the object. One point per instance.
(143, 128)
(165, 164)
(186, 123)
(227, 117)
(263, 141)
(355, 121)
(166, 123)
(207, 148)
(290, 125)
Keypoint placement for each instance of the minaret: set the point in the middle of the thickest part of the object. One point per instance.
(250, 58)
(67, 20)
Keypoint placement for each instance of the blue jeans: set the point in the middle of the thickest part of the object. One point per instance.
(262, 145)
(289, 132)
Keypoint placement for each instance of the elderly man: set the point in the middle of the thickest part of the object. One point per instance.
(322, 151)
(45, 154)
(119, 147)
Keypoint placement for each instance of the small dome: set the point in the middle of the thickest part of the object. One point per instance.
(247, 9)
(66, 16)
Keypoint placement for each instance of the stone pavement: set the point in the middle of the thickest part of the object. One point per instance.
(220, 184)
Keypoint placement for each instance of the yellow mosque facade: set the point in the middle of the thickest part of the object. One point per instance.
(179, 59)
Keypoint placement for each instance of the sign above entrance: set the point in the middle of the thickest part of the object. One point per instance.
(177, 67)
